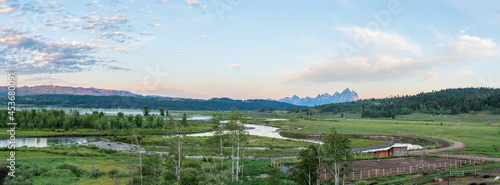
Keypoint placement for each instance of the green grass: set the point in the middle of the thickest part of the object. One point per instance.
(50, 161)
(477, 137)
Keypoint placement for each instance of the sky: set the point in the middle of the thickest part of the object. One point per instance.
(252, 49)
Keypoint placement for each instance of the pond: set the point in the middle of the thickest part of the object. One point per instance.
(49, 141)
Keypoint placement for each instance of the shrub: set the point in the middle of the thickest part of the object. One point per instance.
(107, 151)
(58, 173)
(361, 182)
(191, 164)
(73, 168)
(208, 159)
(117, 173)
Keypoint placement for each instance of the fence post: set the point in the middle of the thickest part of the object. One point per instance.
(410, 168)
(404, 169)
(360, 175)
(383, 172)
(475, 173)
(325, 173)
(397, 170)
(376, 172)
(434, 166)
(450, 173)
(368, 173)
(391, 171)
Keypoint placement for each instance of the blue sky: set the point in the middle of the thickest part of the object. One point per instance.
(252, 49)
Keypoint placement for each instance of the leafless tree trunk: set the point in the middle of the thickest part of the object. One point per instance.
(179, 153)
(232, 156)
(138, 150)
(238, 156)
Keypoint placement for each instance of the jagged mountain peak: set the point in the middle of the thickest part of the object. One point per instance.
(346, 96)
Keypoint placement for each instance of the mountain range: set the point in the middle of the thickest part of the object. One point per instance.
(50, 96)
(53, 89)
(345, 96)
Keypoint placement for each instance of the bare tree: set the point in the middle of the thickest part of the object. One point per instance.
(236, 129)
(218, 132)
(175, 156)
(138, 151)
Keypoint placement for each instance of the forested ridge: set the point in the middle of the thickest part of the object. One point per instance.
(446, 101)
(137, 102)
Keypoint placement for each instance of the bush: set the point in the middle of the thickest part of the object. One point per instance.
(107, 151)
(188, 178)
(191, 164)
(208, 159)
(73, 168)
(96, 173)
(117, 173)
(361, 182)
(58, 173)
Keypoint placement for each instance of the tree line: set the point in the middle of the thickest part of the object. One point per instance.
(59, 119)
(447, 101)
(136, 102)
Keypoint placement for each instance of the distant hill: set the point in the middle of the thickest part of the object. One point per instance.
(446, 101)
(79, 97)
(346, 96)
(53, 89)
(137, 102)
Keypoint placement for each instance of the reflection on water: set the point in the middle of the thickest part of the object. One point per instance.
(43, 142)
(256, 130)
(252, 129)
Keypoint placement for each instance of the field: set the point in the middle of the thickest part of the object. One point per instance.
(478, 131)
(478, 137)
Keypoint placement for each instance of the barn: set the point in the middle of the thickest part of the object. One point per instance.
(393, 151)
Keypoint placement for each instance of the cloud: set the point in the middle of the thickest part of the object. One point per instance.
(203, 36)
(146, 33)
(461, 72)
(192, 2)
(360, 69)
(5, 8)
(235, 66)
(37, 55)
(467, 49)
(380, 42)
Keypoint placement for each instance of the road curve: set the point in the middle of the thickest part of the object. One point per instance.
(457, 145)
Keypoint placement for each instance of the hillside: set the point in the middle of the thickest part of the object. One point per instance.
(54, 89)
(446, 101)
(137, 102)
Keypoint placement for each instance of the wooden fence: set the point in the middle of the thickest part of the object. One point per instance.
(431, 177)
(372, 173)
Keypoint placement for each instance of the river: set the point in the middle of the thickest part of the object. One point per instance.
(252, 129)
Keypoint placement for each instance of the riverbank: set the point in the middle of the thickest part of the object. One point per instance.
(193, 127)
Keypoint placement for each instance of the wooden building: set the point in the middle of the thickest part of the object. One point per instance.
(393, 151)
